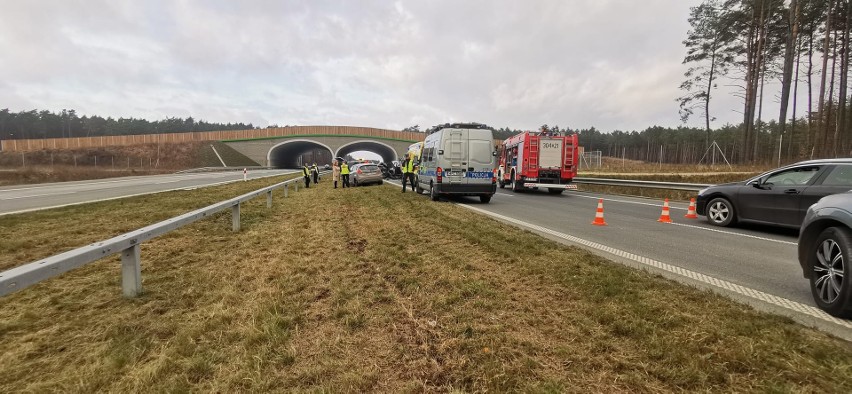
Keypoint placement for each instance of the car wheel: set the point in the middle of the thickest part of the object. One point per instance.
(829, 264)
(355, 182)
(417, 188)
(485, 198)
(720, 212)
(381, 182)
(432, 194)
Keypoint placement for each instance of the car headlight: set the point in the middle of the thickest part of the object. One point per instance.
(702, 191)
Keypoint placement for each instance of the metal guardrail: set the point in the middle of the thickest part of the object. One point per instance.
(693, 187)
(127, 245)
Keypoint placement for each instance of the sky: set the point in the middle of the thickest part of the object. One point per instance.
(611, 64)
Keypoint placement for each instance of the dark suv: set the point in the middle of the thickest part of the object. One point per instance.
(778, 197)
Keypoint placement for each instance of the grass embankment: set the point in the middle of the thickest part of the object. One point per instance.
(62, 165)
(614, 165)
(614, 168)
(232, 157)
(710, 179)
(369, 289)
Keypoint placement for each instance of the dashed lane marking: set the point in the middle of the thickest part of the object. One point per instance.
(736, 234)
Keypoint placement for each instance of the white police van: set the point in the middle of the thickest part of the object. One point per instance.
(458, 159)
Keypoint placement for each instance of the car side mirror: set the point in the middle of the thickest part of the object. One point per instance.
(441, 152)
(494, 153)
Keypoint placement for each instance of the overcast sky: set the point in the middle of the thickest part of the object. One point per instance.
(612, 64)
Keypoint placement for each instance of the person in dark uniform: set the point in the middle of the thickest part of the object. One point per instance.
(315, 173)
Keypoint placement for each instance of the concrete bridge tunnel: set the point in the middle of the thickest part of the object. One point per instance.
(292, 154)
(386, 152)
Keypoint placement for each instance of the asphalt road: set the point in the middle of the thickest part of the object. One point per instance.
(761, 258)
(758, 262)
(24, 198)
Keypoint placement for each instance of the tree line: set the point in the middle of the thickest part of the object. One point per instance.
(35, 124)
(803, 44)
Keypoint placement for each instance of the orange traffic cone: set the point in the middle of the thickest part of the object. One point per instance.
(664, 217)
(690, 213)
(599, 219)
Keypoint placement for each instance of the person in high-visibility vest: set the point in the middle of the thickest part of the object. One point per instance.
(344, 172)
(307, 174)
(408, 172)
(315, 172)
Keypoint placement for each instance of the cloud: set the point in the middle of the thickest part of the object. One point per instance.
(609, 64)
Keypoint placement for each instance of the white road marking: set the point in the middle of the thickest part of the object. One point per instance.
(660, 204)
(696, 276)
(35, 195)
(736, 234)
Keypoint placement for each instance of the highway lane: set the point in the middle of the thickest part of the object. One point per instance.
(25, 198)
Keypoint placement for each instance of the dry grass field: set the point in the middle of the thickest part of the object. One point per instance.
(371, 290)
(614, 165)
(613, 168)
(96, 163)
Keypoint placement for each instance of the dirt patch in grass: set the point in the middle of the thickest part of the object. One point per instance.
(368, 289)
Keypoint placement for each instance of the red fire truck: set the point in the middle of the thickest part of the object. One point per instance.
(533, 160)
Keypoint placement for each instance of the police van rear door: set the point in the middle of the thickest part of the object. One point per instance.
(456, 155)
(480, 167)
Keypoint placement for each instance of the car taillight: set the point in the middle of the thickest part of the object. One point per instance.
(439, 175)
(359, 171)
(494, 177)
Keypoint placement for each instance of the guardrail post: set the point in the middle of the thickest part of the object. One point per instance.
(286, 188)
(235, 217)
(296, 186)
(131, 272)
(269, 199)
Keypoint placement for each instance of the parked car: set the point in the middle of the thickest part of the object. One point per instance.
(778, 197)
(825, 244)
(365, 173)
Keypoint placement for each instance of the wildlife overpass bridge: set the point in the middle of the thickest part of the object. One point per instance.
(279, 147)
(286, 151)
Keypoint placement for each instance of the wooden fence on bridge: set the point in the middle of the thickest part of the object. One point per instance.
(28, 145)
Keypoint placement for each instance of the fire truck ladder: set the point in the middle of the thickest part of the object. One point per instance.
(533, 152)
